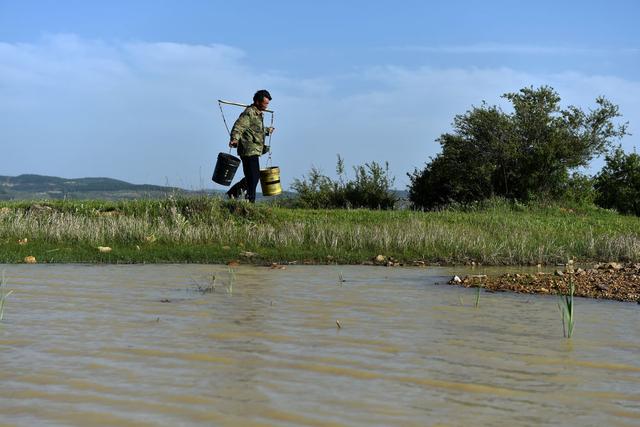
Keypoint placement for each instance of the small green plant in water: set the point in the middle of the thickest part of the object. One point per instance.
(341, 279)
(3, 295)
(566, 309)
(232, 278)
(206, 288)
(478, 296)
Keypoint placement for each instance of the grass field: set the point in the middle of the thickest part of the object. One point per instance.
(209, 230)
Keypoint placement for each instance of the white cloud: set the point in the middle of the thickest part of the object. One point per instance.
(520, 49)
(147, 112)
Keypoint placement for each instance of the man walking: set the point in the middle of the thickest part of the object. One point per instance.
(247, 135)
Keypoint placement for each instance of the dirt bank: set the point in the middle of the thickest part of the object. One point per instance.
(603, 281)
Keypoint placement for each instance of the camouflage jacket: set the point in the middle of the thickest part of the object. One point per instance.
(249, 131)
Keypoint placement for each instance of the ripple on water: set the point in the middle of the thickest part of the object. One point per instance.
(96, 345)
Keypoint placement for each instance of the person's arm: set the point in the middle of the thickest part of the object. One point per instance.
(238, 128)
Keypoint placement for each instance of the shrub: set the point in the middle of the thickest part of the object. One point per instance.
(317, 191)
(371, 188)
(579, 190)
(618, 184)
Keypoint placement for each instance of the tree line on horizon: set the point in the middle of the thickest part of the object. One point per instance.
(532, 153)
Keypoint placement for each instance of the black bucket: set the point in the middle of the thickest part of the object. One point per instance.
(226, 167)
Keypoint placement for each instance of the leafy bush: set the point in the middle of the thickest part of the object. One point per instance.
(579, 190)
(618, 184)
(371, 188)
(317, 191)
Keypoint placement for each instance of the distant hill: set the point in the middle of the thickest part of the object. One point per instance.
(50, 187)
(39, 187)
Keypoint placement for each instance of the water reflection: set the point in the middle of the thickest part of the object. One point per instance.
(96, 345)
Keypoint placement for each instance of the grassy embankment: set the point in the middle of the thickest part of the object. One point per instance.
(205, 230)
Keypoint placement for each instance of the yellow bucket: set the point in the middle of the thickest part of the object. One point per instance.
(270, 181)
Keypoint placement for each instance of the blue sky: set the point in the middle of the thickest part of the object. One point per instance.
(128, 89)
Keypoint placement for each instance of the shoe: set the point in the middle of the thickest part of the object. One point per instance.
(237, 190)
(236, 194)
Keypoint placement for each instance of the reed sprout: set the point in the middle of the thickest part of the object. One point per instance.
(232, 278)
(3, 295)
(566, 307)
(206, 288)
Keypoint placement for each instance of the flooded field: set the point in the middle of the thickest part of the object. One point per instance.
(166, 345)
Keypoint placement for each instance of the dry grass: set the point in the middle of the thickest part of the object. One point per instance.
(492, 236)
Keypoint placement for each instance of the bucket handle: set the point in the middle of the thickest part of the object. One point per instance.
(270, 134)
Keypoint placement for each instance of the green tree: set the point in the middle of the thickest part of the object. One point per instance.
(529, 152)
(618, 184)
(471, 166)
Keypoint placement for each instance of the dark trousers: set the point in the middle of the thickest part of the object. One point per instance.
(251, 169)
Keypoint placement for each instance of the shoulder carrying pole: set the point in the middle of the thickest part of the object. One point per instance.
(221, 101)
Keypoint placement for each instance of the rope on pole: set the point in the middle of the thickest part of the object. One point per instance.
(223, 118)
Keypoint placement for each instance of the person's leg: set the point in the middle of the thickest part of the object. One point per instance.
(251, 168)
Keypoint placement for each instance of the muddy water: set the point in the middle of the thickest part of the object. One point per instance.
(140, 345)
